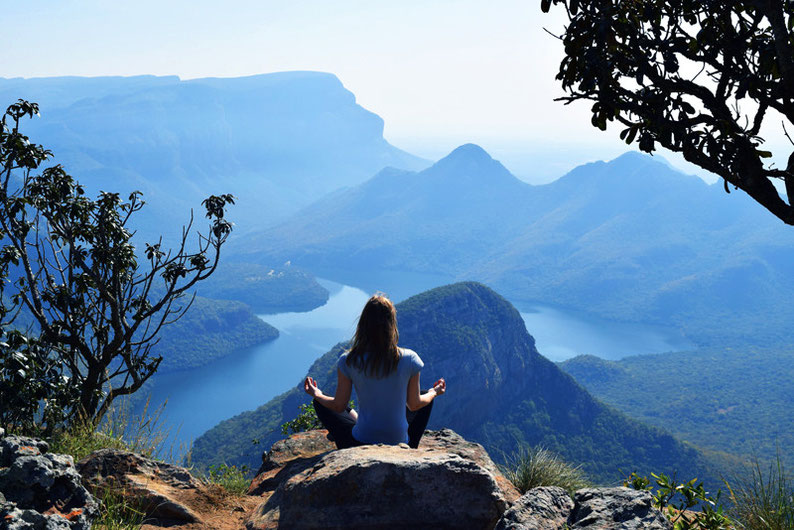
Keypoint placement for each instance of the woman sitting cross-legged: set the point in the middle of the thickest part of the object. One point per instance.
(386, 378)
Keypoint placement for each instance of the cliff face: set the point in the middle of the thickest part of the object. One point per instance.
(502, 393)
(276, 141)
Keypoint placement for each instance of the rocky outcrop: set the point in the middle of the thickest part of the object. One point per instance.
(539, 509)
(551, 508)
(153, 486)
(41, 490)
(168, 495)
(289, 457)
(622, 508)
(446, 483)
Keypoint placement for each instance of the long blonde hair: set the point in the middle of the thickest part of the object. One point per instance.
(377, 335)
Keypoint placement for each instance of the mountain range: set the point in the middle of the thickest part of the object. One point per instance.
(276, 141)
(501, 393)
(631, 239)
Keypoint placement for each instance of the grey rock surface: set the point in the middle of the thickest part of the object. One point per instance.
(551, 508)
(41, 490)
(161, 490)
(391, 487)
(538, 509)
(616, 508)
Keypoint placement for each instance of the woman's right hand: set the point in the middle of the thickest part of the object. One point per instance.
(440, 387)
(310, 387)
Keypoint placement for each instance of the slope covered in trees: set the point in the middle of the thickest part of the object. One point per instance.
(735, 400)
(501, 393)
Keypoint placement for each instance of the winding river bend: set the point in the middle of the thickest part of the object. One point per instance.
(200, 398)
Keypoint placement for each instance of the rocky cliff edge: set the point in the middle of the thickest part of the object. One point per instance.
(303, 483)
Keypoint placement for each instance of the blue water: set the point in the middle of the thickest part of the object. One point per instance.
(200, 398)
(562, 334)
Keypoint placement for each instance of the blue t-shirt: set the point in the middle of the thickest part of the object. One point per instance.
(381, 402)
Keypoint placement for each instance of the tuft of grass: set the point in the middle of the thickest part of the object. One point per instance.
(763, 501)
(118, 512)
(145, 434)
(232, 479)
(532, 467)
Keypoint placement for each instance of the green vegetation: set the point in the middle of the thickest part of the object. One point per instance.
(764, 501)
(145, 434)
(211, 330)
(632, 61)
(533, 467)
(233, 480)
(69, 262)
(732, 400)
(265, 289)
(118, 512)
(306, 420)
(687, 504)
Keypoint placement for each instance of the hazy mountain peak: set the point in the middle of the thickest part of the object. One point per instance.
(471, 160)
(469, 152)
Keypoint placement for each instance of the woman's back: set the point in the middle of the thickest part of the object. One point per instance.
(392, 407)
(381, 401)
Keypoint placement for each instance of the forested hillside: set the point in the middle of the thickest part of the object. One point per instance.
(735, 400)
(501, 393)
(265, 289)
(211, 329)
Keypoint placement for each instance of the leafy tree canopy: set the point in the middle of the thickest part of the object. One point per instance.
(79, 310)
(699, 77)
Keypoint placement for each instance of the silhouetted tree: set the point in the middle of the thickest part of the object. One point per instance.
(80, 311)
(699, 77)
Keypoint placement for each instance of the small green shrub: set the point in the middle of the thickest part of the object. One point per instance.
(305, 421)
(679, 500)
(534, 467)
(234, 480)
(763, 502)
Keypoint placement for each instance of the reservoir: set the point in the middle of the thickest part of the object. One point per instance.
(200, 398)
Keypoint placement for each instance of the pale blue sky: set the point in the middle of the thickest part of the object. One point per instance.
(440, 72)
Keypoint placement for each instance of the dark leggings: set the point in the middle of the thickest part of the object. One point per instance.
(340, 425)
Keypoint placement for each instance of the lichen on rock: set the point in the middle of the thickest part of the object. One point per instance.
(41, 490)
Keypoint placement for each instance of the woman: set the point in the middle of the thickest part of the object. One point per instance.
(386, 378)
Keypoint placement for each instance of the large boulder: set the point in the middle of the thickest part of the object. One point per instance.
(168, 495)
(41, 490)
(551, 508)
(446, 483)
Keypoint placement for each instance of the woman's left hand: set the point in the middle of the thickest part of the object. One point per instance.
(310, 387)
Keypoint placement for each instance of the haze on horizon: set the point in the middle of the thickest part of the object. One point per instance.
(439, 73)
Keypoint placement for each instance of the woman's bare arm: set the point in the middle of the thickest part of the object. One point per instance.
(416, 400)
(338, 403)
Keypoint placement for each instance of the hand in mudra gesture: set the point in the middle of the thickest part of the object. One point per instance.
(440, 387)
(310, 387)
